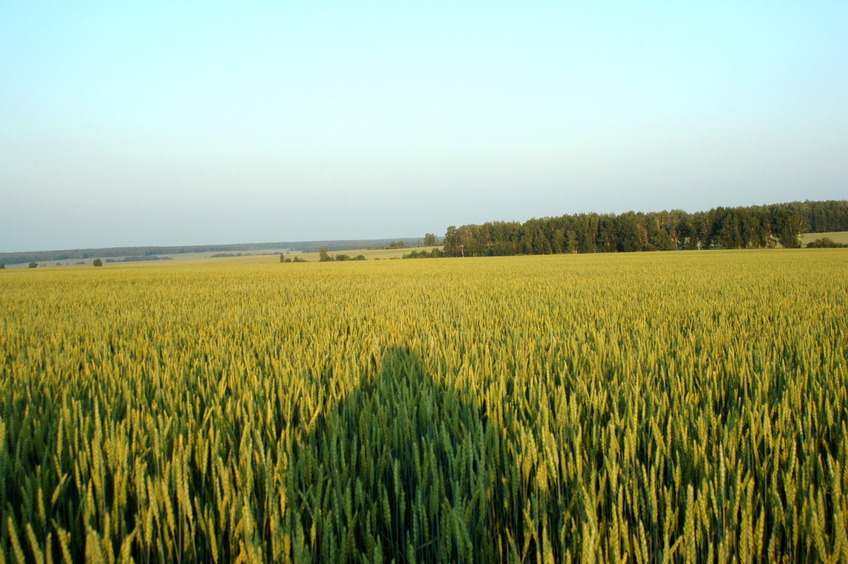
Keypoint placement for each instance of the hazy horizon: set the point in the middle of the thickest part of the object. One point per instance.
(172, 125)
(224, 244)
(408, 237)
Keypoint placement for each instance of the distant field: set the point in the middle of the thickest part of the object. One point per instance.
(641, 407)
(369, 254)
(246, 257)
(837, 236)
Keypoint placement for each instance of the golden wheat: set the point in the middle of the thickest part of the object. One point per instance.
(675, 406)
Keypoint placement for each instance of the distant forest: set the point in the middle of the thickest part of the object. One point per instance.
(727, 228)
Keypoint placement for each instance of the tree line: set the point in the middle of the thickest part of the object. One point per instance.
(729, 228)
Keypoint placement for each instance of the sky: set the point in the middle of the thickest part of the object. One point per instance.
(181, 123)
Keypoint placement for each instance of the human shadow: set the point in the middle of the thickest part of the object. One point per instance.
(404, 470)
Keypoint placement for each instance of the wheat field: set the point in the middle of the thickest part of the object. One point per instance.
(618, 408)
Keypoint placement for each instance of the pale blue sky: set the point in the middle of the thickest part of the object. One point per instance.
(171, 123)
